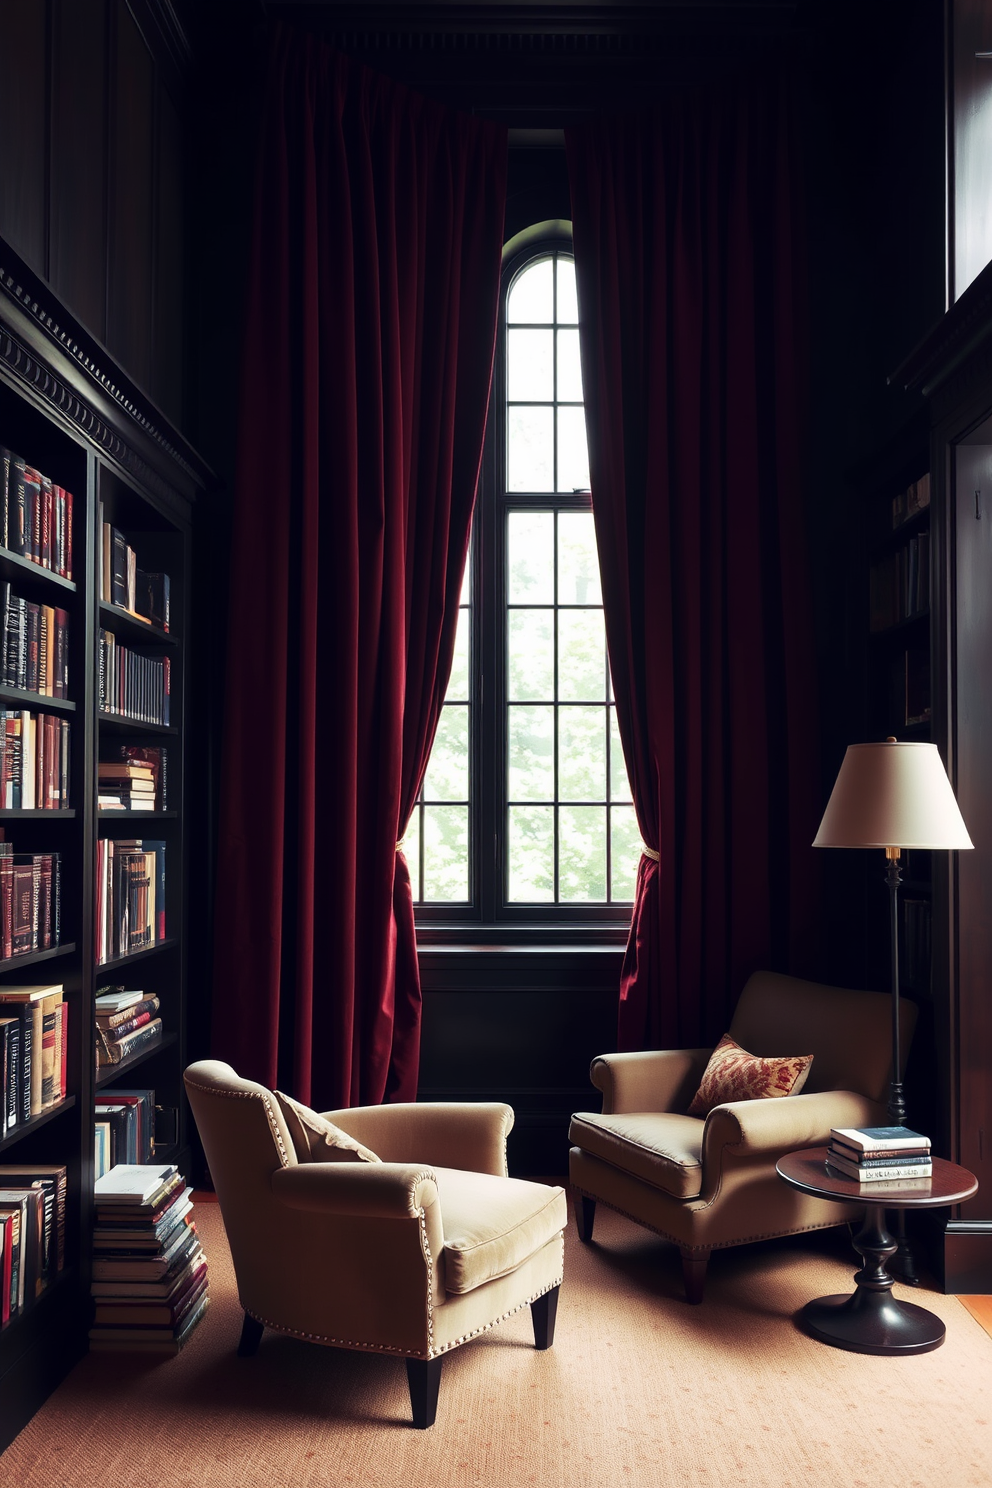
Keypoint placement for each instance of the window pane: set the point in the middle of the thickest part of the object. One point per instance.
(578, 561)
(531, 754)
(446, 853)
(530, 661)
(619, 784)
(458, 683)
(529, 366)
(531, 855)
(411, 851)
(447, 773)
(530, 436)
(530, 299)
(573, 454)
(582, 754)
(581, 656)
(466, 595)
(582, 853)
(530, 548)
(568, 309)
(569, 370)
(625, 849)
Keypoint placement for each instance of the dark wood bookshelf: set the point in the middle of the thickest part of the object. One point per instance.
(86, 427)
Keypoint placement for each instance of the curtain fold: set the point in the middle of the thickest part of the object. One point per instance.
(692, 342)
(369, 339)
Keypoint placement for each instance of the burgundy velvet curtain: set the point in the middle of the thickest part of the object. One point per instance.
(369, 337)
(690, 305)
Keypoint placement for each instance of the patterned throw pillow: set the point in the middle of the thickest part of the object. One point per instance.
(733, 1074)
(318, 1140)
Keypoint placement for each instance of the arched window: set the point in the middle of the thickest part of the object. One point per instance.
(526, 815)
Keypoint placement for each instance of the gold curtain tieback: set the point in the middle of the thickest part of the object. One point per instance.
(649, 852)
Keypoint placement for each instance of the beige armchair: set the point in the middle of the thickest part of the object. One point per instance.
(411, 1255)
(710, 1183)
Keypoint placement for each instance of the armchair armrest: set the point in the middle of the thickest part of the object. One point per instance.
(779, 1124)
(648, 1080)
(470, 1135)
(372, 1190)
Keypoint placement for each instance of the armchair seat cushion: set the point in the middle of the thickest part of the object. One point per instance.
(659, 1147)
(492, 1225)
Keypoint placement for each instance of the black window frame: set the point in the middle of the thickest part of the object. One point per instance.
(488, 915)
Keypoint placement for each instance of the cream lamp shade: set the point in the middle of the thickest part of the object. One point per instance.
(892, 795)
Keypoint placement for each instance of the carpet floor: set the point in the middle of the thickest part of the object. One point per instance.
(639, 1390)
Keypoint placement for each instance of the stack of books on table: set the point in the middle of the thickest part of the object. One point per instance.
(879, 1154)
(149, 1271)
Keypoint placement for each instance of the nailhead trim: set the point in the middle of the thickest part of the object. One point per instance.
(249, 1095)
(432, 1352)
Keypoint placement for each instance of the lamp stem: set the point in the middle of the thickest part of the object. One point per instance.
(893, 877)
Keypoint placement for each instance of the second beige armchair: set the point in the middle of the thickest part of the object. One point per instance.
(710, 1182)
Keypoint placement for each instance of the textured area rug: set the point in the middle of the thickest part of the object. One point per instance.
(640, 1389)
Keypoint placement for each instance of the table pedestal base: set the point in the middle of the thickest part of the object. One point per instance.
(871, 1320)
(890, 1328)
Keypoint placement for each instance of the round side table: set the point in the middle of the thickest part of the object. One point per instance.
(871, 1320)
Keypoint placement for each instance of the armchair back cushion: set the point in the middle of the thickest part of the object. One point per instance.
(846, 1031)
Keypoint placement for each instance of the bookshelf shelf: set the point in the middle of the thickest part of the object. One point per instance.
(112, 617)
(112, 722)
(125, 467)
(18, 569)
(119, 962)
(31, 958)
(36, 700)
(36, 1122)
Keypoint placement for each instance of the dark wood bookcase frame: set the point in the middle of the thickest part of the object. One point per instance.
(67, 409)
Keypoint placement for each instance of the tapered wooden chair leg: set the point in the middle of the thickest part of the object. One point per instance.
(543, 1311)
(424, 1376)
(694, 1263)
(585, 1216)
(251, 1337)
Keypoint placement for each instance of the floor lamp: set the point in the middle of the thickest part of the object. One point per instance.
(894, 797)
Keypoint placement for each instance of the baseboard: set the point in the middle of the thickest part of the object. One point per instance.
(967, 1251)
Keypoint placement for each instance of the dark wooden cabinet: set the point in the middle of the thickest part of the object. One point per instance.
(69, 411)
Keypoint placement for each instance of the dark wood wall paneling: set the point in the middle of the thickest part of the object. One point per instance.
(92, 166)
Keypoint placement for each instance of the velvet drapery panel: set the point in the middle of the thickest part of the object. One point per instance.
(689, 269)
(369, 338)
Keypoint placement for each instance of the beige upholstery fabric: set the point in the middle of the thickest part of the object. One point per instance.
(492, 1225)
(660, 1149)
(315, 1139)
(712, 1183)
(354, 1253)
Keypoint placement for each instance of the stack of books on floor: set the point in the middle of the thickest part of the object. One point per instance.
(149, 1271)
(880, 1154)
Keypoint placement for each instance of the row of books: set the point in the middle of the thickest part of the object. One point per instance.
(132, 685)
(876, 1154)
(130, 896)
(122, 583)
(149, 1282)
(899, 584)
(34, 645)
(34, 760)
(34, 1038)
(915, 498)
(126, 1023)
(35, 515)
(30, 901)
(124, 1128)
(32, 1233)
